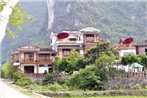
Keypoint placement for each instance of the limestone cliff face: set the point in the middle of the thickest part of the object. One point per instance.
(50, 5)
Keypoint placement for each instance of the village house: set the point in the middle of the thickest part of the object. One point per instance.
(125, 46)
(141, 48)
(30, 59)
(81, 41)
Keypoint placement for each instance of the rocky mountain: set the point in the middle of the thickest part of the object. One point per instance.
(114, 19)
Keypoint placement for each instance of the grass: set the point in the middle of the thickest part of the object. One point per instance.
(109, 97)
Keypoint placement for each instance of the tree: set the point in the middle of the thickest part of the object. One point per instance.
(101, 47)
(104, 63)
(12, 13)
(129, 59)
(85, 79)
(7, 70)
(67, 64)
(142, 59)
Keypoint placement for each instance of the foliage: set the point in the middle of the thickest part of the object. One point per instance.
(102, 47)
(137, 86)
(17, 75)
(142, 59)
(67, 64)
(7, 70)
(55, 86)
(18, 16)
(86, 79)
(23, 81)
(50, 77)
(29, 30)
(131, 58)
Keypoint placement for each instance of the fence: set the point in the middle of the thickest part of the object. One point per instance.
(135, 75)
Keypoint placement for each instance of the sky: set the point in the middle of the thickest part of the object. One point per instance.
(31, 0)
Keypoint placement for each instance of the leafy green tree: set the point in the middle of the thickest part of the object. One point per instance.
(67, 64)
(129, 59)
(7, 70)
(142, 59)
(101, 47)
(104, 63)
(85, 79)
(13, 14)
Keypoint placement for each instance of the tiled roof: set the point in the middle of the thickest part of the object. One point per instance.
(144, 43)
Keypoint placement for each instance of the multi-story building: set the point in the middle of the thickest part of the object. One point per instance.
(81, 41)
(30, 59)
(141, 48)
(124, 47)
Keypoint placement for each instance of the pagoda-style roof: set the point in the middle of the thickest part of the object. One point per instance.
(144, 43)
(89, 29)
(28, 46)
(122, 46)
(46, 50)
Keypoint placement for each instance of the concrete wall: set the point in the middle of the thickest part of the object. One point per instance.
(141, 50)
(126, 51)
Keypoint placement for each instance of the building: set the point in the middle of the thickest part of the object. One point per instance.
(141, 48)
(125, 46)
(30, 59)
(81, 41)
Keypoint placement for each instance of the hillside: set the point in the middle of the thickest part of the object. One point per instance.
(114, 19)
(31, 30)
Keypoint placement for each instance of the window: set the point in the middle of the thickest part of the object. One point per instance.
(72, 39)
(29, 69)
(66, 51)
(146, 51)
(41, 65)
(29, 54)
(89, 37)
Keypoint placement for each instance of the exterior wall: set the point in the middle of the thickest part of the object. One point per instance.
(125, 51)
(82, 52)
(42, 69)
(141, 50)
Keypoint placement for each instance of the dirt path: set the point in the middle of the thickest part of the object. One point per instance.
(8, 92)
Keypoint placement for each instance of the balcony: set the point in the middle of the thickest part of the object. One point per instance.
(44, 60)
(28, 60)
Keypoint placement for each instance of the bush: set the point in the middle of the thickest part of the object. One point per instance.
(23, 82)
(16, 76)
(86, 79)
(55, 86)
(137, 86)
(145, 87)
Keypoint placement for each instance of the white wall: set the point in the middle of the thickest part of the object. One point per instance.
(42, 69)
(126, 51)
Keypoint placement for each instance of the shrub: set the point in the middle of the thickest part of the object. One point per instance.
(23, 82)
(55, 86)
(16, 76)
(145, 87)
(86, 79)
(136, 86)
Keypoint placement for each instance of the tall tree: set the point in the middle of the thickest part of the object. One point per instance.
(7, 8)
(13, 14)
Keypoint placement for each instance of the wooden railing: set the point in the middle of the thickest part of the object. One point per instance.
(28, 60)
(135, 75)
